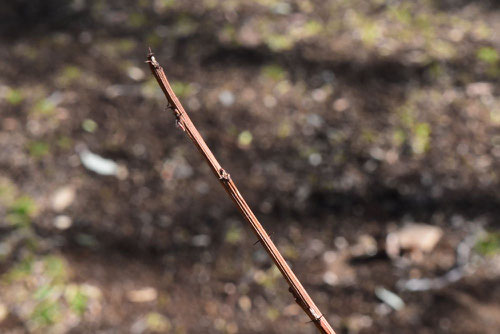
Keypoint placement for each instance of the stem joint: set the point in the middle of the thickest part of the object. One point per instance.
(223, 175)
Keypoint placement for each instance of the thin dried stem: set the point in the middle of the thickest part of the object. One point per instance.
(184, 122)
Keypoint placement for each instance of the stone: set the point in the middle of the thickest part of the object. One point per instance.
(245, 303)
(366, 245)
(341, 104)
(479, 89)
(143, 295)
(226, 98)
(414, 237)
(63, 222)
(62, 198)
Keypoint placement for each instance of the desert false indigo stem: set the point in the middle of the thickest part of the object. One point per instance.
(184, 122)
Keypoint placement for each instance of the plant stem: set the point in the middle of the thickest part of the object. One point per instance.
(184, 122)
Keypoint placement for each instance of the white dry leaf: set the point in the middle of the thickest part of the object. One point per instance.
(390, 298)
(98, 164)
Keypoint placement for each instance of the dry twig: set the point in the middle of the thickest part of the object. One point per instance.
(184, 122)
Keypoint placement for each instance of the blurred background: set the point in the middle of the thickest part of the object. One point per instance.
(364, 134)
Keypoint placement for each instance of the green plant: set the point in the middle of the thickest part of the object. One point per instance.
(38, 149)
(20, 212)
(14, 96)
(44, 107)
(89, 125)
(182, 89)
(76, 298)
(489, 244)
(488, 55)
(274, 72)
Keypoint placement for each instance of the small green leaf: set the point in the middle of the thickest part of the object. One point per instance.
(42, 292)
(38, 149)
(158, 323)
(14, 97)
(489, 244)
(245, 138)
(44, 107)
(278, 42)
(46, 312)
(274, 72)
(233, 234)
(55, 268)
(181, 89)
(488, 55)
(65, 142)
(421, 139)
(313, 28)
(20, 212)
(89, 125)
(79, 302)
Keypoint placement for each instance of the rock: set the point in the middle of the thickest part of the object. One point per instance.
(226, 98)
(248, 36)
(341, 104)
(382, 309)
(319, 94)
(62, 198)
(245, 303)
(143, 295)
(315, 159)
(315, 120)
(330, 278)
(270, 101)
(413, 237)
(341, 243)
(230, 288)
(201, 240)
(479, 89)
(365, 246)
(135, 73)
(357, 322)
(282, 8)
(338, 270)
(63, 222)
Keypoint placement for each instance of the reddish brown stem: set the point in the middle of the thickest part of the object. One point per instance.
(299, 293)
